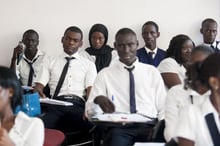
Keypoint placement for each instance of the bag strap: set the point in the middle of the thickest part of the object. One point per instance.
(213, 130)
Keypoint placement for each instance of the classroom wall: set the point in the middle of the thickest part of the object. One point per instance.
(51, 17)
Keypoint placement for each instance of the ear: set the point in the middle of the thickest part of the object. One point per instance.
(81, 43)
(201, 31)
(214, 83)
(158, 34)
(115, 45)
(62, 39)
(137, 43)
(11, 92)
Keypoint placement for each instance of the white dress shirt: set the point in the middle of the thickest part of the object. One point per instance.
(149, 50)
(169, 65)
(177, 98)
(214, 44)
(23, 68)
(92, 58)
(113, 82)
(192, 124)
(81, 74)
(27, 131)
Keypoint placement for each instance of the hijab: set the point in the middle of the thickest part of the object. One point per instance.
(104, 54)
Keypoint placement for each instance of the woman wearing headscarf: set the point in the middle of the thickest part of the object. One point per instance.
(99, 52)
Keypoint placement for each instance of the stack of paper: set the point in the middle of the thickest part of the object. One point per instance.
(55, 102)
(121, 118)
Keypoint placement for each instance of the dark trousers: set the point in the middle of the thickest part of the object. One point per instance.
(67, 118)
(126, 136)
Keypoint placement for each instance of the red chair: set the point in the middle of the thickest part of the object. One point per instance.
(53, 137)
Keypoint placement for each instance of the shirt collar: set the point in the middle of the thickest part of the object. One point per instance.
(75, 55)
(213, 44)
(122, 65)
(207, 107)
(39, 53)
(194, 93)
(149, 50)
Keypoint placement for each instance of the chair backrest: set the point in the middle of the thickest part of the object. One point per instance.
(53, 137)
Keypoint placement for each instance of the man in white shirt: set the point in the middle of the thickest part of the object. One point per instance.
(209, 32)
(27, 57)
(75, 88)
(114, 91)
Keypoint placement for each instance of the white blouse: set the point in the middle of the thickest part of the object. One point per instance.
(169, 65)
(177, 98)
(27, 131)
(192, 124)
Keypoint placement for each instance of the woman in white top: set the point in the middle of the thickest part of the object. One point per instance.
(173, 68)
(199, 125)
(180, 96)
(99, 52)
(16, 130)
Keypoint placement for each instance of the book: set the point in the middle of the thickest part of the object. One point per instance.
(55, 102)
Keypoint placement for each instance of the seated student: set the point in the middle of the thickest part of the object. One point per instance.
(99, 52)
(209, 32)
(16, 130)
(173, 68)
(70, 78)
(179, 96)
(32, 59)
(150, 54)
(135, 87)
(198, 125)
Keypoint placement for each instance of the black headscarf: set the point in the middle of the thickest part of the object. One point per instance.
(104, 54)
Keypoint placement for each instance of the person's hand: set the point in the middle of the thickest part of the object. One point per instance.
(5, 139)
(106, 105)
(18, 50)
(39, 88)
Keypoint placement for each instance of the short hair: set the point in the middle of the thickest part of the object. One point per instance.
(174, 49)
(125, 31)
(210, 67)
(192, 70)
(8, 79)
(30, 31)
(74, 29)
(151, 23)
(208, 20)
(203, 48)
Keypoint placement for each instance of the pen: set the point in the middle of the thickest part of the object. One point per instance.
(112, 98)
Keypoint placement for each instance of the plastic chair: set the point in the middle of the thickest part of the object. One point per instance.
(53, 137)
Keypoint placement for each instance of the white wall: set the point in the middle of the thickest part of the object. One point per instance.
(51, 17)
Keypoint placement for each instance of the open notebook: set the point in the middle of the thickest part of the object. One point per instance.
(121, 118)
(55, 102)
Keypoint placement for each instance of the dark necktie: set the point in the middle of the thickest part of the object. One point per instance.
(132, 90)
(151, 57)
(213, 130)
(215, 49)
(31, 72)
(63, 75)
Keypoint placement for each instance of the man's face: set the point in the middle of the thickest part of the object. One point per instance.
(31, 41)
(126, 46)
(150, 35)
(71, 42)
(209, 32)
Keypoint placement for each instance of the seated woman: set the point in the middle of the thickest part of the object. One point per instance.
(173, 67)
(99, 52)
(198, 125)
(16, 130)
(193, 93)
